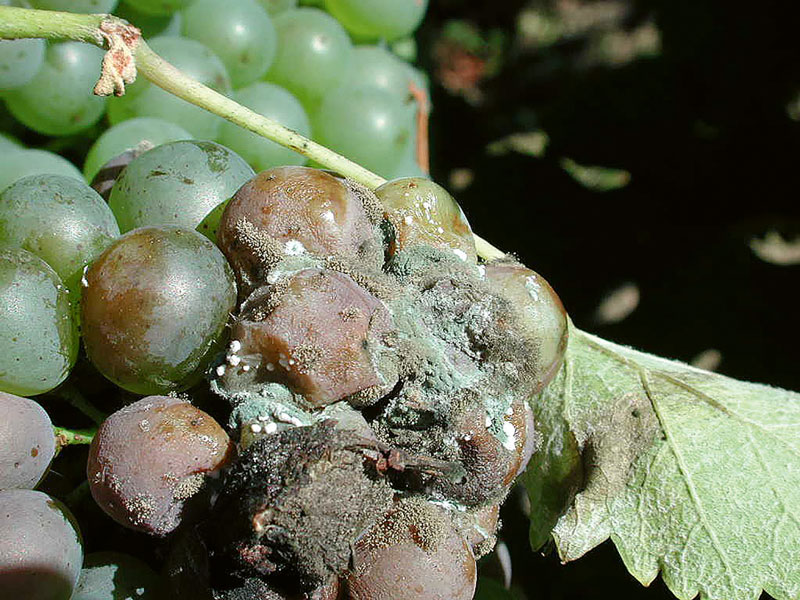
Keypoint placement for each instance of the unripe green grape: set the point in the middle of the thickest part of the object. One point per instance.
(76, 6)
(374, 66)
(20, 163)
(277, 103)
(240, 32)
(20, 60)
(423, 212)
(59, 219)
(158, 7)
(8, 143)
(128, 135)
(278, 6)
(143, 99)
(59, 99)
(38, 335)
(314, 53)
(178, 183)
(375, 19)
(154, 308)
(366, 125)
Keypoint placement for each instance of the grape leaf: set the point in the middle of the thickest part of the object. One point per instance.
(689, 473)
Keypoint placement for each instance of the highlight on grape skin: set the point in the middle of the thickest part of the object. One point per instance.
(27, 442)
(40, 547)
(423, 212)
(150, 461)
(155, 305)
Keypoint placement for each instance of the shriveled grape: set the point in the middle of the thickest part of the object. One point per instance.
(149, 462)
(295, 210)
(422, 212)
(412, 553)
(40, 547)
(60, 219)
(117, 576)
(541, 313)
(27, 442)
(178, 183)
(38, 334)
(154, 307)
(322, 334)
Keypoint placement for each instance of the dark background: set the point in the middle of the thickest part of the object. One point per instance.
(702, 126)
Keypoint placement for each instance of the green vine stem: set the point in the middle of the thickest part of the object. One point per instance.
(77, 400)
(128, 54)
(73, 437)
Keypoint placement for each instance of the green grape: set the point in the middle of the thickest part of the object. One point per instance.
(59, 219)
(143, 99)
(76, 6)
(128, 135)
(16, 165)
(240, 32)
(20, 60)
(8, 143)
(374, 19)
(313, 55)
(367, 125)
(38, 336)
(374, 66)
(151, 25)
(276, 103)
(409, 167)
(178, 183)
(405, 48)
(278, 6)
(59, 99)
(158, 7)
(154, 309)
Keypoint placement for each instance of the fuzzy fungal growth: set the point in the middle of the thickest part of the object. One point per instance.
(379, 379)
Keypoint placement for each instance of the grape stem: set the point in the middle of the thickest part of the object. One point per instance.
(127, 54)
(73, 437)
(76, 399)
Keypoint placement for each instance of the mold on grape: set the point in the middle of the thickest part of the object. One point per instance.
(379, 381)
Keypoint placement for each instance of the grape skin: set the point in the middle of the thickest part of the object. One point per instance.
(144, 132)
(59, 100)
(76, 6)
(178, 183)
(40, 547)
(60, 219)
(313, 54)
(149, 461)
(413, 553)
(373, 19)
(273, 102)
(27, 443)
(17, 164)
(144, 99)
(38, 334)
(154, 308)
(20, 60)
(240, 32)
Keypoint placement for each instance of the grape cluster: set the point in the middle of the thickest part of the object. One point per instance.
(316, 391)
